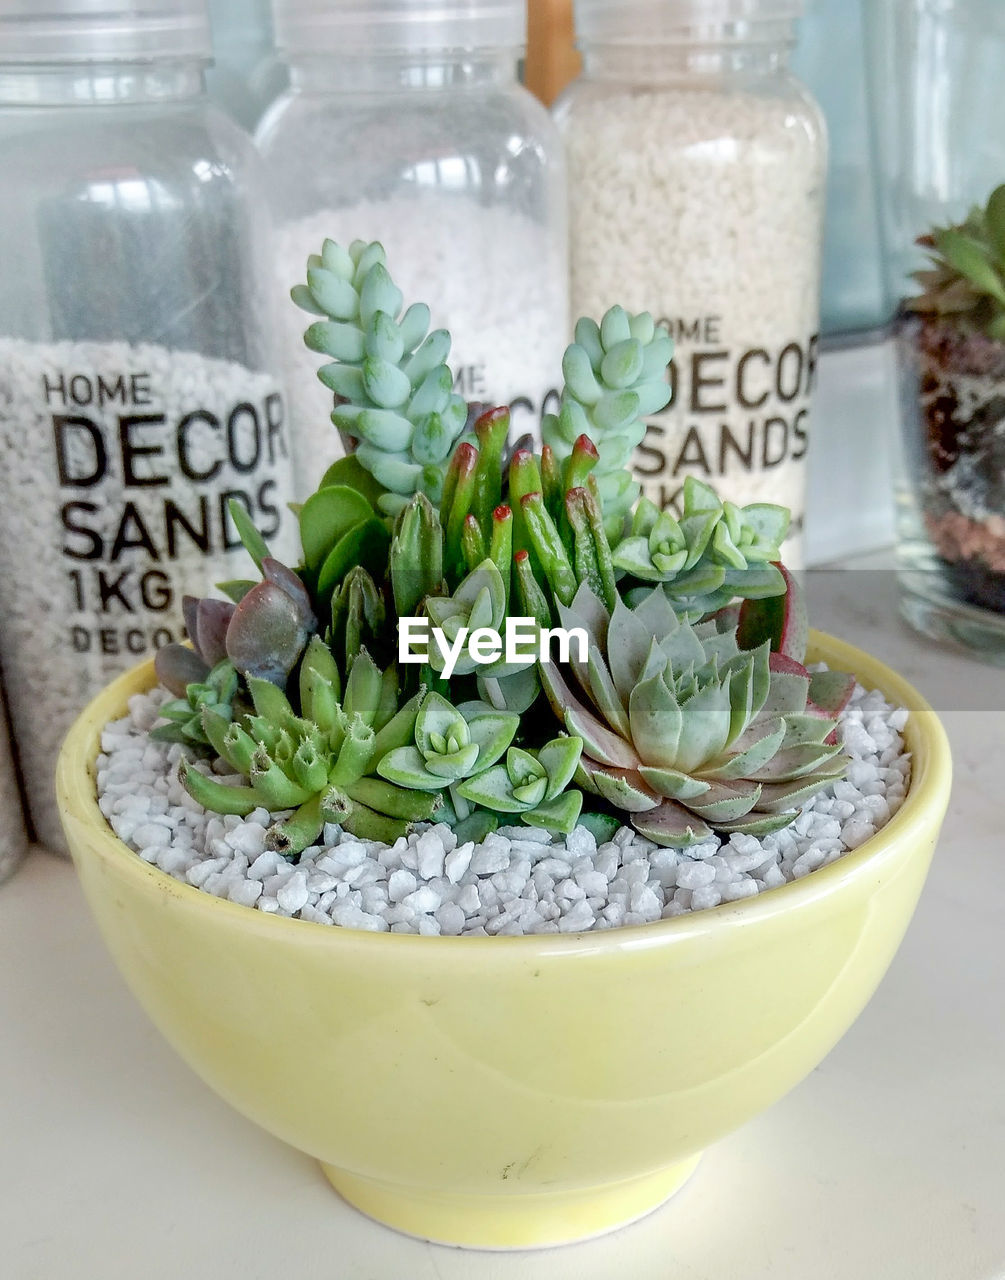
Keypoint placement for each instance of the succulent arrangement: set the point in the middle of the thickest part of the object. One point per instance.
(951, 349)
(965, 281)
(672, 696)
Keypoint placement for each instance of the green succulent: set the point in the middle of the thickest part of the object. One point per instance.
(416, 556)
(321, 763)
(394, 391)
(450, 745)
(686, 732)
(965, 281)
(472, 494)
(532, 785)
(271, 625)
(479, 601)
(339, 530)
(359, 618)
(262, 629)
(262, 635)
(714, 554)
(215, 693)
(615, 374)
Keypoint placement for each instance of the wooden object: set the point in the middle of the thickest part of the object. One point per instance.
(552, 59)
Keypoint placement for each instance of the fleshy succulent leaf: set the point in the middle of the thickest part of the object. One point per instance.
(396, 392)
(253, 541)
(712, 730)
(268, 632)
(177, 666)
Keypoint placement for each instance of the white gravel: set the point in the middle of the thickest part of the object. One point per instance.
(519, 880)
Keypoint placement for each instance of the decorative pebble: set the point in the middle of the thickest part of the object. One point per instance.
(519, 880)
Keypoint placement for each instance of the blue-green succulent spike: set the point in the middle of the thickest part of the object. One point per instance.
(615, 374)
(394, 392)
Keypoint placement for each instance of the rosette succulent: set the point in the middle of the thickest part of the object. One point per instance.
(320, 763)
(271, 625)
(394, 391)
(715, 553)
(479, 605)
(479, 602)
(262, 635)
(685, 732)
(531, 785)
(215, 692)
(965, 281)
(450, 745)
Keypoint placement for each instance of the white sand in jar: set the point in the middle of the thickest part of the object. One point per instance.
(704, 208)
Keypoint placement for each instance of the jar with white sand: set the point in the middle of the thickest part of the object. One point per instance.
(696, 175)
(405, 123)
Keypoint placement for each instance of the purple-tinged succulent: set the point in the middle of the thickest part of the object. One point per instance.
(271, 625)
(263, 635)
(683, 730)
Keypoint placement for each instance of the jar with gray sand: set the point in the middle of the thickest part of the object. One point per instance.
(138, 384)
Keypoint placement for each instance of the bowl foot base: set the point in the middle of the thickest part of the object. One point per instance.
(508, 1221)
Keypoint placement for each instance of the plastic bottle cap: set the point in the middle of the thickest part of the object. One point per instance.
(672, 21)
(303, 26)
(56, 31)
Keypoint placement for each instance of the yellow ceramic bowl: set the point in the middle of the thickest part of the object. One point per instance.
(510, 1092)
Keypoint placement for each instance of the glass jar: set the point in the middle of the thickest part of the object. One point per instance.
(696, 176)
(405, 123)
(935, 79)
(138, 382)
(13, 837)
(830, 59)
(245, 76)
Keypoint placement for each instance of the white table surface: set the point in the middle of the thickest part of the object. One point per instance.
(888, 1163)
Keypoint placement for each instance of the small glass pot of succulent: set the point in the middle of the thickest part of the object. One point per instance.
(952, 357)
(372, 686)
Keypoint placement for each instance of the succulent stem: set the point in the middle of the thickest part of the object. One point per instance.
(492, 430)
(501, 546)
(533, 601)
(547, 544)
